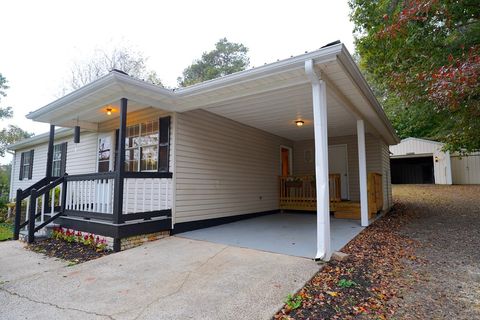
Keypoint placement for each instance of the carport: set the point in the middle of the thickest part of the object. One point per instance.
(303, 134)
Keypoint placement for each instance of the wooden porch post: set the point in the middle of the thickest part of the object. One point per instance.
(120, 169)
(362, 169)
(319, 97)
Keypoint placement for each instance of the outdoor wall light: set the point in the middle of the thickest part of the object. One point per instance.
(109, 111)
(299, 123)
(436, 159)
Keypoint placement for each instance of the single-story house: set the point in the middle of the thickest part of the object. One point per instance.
(423, 161)
(132, 158)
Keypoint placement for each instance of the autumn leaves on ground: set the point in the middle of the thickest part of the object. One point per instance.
(420, 261)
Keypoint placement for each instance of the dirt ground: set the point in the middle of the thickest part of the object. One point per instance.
(444, 283)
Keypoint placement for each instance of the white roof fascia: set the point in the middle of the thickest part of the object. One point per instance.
(109, 79)
(422, 140)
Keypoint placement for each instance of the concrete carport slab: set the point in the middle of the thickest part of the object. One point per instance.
(285, 233)
(173, 278)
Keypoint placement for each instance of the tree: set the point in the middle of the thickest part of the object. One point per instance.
(12, 133)
(102, 62)
(5, 112)
(226, 58)
(422, 57)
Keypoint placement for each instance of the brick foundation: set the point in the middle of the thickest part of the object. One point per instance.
(135, 241)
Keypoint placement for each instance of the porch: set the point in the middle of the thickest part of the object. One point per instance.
(129, 192)
(299, 193)
(290, 233)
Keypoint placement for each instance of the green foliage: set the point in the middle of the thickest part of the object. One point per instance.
(293, 302)
(226, 58)
(422, 57)
(12, 133)
(5, 112)
(344, 283)
(6, 231)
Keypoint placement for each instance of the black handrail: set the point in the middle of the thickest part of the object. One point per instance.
(22, 195)
(91, 176)
(32, 215)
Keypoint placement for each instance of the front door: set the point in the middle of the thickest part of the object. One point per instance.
(338, 163)
(285, 157)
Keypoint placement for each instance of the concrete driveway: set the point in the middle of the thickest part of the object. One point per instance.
(173, 278)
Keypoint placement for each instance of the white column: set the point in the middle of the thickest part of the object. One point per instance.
(319, 98)
(362, 168)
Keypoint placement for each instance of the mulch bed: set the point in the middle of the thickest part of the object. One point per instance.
(371, 276)
(70, 251)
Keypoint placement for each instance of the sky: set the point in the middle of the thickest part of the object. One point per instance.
(42, 39)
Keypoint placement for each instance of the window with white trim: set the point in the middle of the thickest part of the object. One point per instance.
(59, 159)
(141, 147)
(104, 153)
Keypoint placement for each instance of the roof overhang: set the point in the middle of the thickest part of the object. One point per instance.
(282, 82)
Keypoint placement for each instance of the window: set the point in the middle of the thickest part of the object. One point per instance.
(104, 152)
(141, 147)
(26, 165)
(59, 159)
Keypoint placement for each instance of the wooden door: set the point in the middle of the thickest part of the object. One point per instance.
(285, 161)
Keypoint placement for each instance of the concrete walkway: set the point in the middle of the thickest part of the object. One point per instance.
(173, 278)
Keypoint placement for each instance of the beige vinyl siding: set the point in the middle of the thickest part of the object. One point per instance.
(224, 168)
(81, 158)
(373, 148)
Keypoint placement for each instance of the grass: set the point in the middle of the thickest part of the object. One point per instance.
(6, 231)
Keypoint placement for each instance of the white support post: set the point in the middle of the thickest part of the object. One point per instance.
(319, 97)
(362, 168)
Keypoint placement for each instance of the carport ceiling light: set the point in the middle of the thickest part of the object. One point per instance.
(299, 123)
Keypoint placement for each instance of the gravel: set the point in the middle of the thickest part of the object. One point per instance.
(444, 282)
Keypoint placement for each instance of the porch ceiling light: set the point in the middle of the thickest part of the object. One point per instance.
(109, 111)
(299, 123)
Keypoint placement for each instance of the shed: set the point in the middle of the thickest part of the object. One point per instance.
(416, 160)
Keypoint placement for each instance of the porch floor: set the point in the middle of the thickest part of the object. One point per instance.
(286, 233)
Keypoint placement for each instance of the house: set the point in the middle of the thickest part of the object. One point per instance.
(416, 160)
(132, 158)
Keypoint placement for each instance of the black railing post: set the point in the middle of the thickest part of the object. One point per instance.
(18, 214)
(64, 194)
(48, 173)
(120, 170)
(31, 216)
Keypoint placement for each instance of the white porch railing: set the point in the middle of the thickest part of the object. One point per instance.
(92, 195)
(147, 194)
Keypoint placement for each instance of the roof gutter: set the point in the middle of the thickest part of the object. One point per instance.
(322, 55)
(346, 61)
